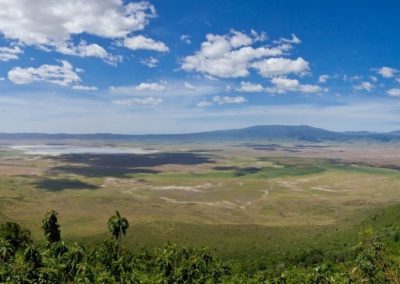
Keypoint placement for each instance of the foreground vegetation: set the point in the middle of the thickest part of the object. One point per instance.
(375, 259)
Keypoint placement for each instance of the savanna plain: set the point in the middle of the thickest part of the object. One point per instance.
(253, 204)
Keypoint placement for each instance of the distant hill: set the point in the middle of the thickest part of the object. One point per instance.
(261, 132)
(396, 133)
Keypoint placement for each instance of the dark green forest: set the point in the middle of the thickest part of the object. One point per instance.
(374, 259)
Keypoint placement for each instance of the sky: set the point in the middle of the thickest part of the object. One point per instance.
(138, 67)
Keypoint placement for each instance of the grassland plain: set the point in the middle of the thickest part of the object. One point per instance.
(271, 202)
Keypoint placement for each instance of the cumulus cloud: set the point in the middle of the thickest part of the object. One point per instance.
(88, 50)
(83, 49)
(149, 101)
(395, 92)
(222, 100)
(51, 25)
(173, 88)
(186, 39)
(44, 22)
(386, 72)
(239, 39)
(281, 66)
(150, 62)
(230, 55)
(248, 87)
(141, 42)
(156, 87)
(323, 78)
(63, 75)
(366, 86)
(229, 100)
(9, 53)
(282, 85)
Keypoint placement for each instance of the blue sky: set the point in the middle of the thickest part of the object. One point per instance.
(184, 66)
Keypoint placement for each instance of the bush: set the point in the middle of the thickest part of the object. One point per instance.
(60, 262)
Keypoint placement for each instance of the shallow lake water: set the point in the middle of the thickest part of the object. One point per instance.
(55, 150)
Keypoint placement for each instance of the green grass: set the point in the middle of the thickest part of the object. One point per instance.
(9, 153)
(266, 172)
(248, 245)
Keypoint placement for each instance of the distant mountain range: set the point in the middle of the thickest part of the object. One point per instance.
(262, 132)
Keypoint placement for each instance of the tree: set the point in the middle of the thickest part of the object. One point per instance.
(371, 263)
(50, 227)
(17, 236)
(6, 250)
(75, 256)
(59, 249)
(118, 226)
(32, 257)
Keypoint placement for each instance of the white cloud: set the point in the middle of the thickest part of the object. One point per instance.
(50, 25)
(262, 36)
(204, 104)
(156, 87)
(282, 85)
(323, 78)
(186, 39)
(63, 75)
(239, 39)
(229, 100)
(9, 53)
(356, 78)
(84, 88)
(230, 55)
(386, 72)
(149, 101)
(141, 42)
(293, 40)
(171, 88)
(2, 79)
(348, 78)
(281, 66)
(189, 86)
(88, 50)
(248, 87)
(367, 86)
(394, 92)
(150, 62)
(222, 100)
